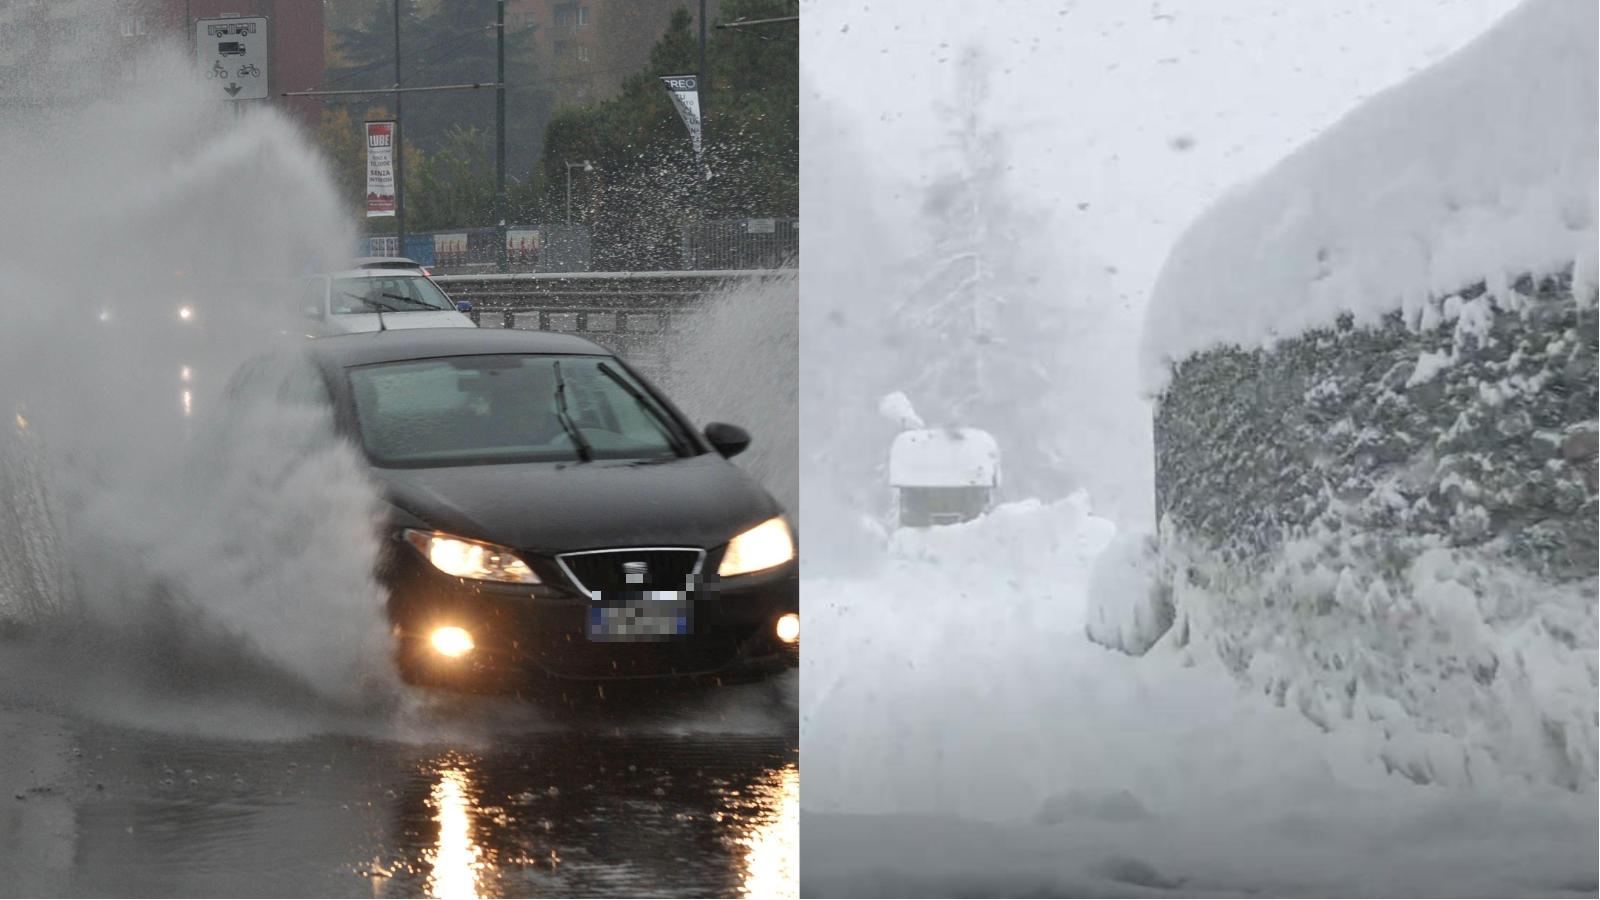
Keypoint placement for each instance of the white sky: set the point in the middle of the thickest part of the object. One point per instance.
(1092, 95)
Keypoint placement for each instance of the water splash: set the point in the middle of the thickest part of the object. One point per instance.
(151, 240)
(739, 363)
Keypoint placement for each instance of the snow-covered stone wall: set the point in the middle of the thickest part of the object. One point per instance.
(1398, 524)
(1476, 430)
(1375, 437)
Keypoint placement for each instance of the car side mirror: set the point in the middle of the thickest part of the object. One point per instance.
(464, 306)
(729, 440)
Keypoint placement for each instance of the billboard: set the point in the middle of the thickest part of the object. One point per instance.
(380, 169)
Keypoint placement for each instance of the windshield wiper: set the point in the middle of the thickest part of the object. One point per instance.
(422, 303)
(673, 433)
(585, 452)
(380, 307)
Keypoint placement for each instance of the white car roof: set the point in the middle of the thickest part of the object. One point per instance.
(944, 457)
(372, 273)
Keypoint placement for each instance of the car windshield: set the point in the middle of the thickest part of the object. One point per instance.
(475, 410)
(389, 293)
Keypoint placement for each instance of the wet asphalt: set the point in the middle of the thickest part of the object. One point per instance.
(685, 796)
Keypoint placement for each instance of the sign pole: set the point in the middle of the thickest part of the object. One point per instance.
(700, 80)
(233, 55)
(502, 254)
(399, 146)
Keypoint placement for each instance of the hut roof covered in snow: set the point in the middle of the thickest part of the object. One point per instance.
(944, 457)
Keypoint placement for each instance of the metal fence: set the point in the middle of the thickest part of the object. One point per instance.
(737, 244)
(742, 244)
(634, 314)
(529, 248)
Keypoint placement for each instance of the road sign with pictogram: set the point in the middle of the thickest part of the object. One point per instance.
(232, 56)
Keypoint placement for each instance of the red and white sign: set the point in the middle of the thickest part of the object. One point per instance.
(380, 169)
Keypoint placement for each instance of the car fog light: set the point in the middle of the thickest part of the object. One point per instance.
(788, 628)
(452, 641)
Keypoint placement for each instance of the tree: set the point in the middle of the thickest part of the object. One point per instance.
(454, 185)
(440, 43)
(984, 330)
(342, 139)
(647, 185)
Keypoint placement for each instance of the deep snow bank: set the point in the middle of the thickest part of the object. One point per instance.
(1376, 434)
(922, 686)
(962, 737)
(1480, 168)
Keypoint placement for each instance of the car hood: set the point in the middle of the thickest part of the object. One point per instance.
(699, 501)
(352, 323)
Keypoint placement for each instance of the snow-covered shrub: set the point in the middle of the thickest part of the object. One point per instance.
(1129, 604)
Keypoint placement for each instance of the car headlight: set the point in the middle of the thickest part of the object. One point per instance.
(763, 547)
(470, 559)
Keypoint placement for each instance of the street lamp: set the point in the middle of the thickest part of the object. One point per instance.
(587, 167)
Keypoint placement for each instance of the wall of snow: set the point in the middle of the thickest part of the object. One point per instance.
(1480, 168)
(1478, 430)
(1376, 425)
(1399, 524)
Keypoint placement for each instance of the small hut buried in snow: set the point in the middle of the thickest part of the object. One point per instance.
(943, 475)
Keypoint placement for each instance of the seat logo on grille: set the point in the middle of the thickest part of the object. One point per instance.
(635, 572)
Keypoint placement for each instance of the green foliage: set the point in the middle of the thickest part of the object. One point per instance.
(441, 43)
(646, 184)
(453, 186)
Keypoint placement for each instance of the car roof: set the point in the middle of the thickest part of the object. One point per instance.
(395, 272)
(399, 344)
(384, 262)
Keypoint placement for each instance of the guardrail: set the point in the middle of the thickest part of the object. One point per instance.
(630, 313)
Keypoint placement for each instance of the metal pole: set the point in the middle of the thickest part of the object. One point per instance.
(399, 146)
(701, 87)
(569, 193)
(470, 86)
(700, 78)
(501, 253)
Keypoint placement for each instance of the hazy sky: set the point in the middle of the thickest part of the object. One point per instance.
(1124, 119)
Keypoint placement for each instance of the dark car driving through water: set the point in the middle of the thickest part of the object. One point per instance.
(552, 516)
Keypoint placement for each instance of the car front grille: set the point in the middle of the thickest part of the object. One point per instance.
(665, 569)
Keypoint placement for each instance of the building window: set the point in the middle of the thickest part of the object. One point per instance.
(561, 49)
(567, 15)
(583, 16)
(583, 53)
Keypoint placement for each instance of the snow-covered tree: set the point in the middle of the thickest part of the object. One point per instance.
(987, 318)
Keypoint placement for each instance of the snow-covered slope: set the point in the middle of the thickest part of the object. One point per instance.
(1481, 168)
(963, 738)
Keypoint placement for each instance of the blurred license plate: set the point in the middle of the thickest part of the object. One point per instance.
(639, 615)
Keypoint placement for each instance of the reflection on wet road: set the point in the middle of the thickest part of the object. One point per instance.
(567, 810)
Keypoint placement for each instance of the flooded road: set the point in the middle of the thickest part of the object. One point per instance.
(612, 805)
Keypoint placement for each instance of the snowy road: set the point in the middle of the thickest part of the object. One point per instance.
(697, 798)
(980, 745)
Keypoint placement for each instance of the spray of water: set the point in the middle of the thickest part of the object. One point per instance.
(739, 363)
(152, 522)
(163, 536)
